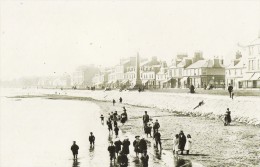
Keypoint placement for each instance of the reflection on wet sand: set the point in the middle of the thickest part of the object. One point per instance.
(91, 152)
(179, 162)
(76, 163)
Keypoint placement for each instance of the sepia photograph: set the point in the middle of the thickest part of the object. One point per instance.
(130, 83)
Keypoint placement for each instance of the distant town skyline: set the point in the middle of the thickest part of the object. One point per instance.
(49, 37)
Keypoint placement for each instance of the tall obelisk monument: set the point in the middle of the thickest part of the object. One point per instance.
(138, 82)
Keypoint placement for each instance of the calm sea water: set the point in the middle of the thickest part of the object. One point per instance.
(37, 132)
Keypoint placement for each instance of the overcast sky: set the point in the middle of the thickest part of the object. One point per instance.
(43, 37)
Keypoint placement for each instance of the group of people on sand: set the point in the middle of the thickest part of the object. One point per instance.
(119, 149)
(115, 150)
(181, 143)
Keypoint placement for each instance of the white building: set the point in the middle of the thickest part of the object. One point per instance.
(251, 78)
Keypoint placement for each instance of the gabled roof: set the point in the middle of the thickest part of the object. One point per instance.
(201, 63)
(238, 65)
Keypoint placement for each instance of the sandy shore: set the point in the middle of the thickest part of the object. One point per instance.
(213, 143)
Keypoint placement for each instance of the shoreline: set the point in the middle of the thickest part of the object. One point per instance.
(223, 146)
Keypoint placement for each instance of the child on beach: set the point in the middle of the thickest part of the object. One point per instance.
(91, 139)
(116, 129)
(188, 144)
(102, 119)
(148, 129)
(112, 151)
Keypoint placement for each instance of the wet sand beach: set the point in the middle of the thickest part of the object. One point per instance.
(213, 144)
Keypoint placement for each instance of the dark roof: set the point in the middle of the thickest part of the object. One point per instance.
(204, 64)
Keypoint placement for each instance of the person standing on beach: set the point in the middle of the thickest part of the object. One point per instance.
(115, 115)
(228, 117)
(192, 89)
(102, 119)
(136, 145)
(120, 100)
(182, 141)
(175, 146)
(156, 126)
(116, 129)
(112, 116)
(145, 118)
(114, 101)
(157, 137)
(109, 124)
(91, 139)
(188, 144)
(112, 151)
(142, 145)
(118, 144)
(115, 123)
(123, 117)
(230, 90)
(124, 109)
(126, 143)
(74, 148)
(148, 129)
(145, 159)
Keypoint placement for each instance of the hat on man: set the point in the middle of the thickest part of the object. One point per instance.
(137, 137)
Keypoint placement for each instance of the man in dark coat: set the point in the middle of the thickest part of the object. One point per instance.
(126, 144)
(145, 118)
(145, 159)
(182, 141)
(156, 126)
(109, 124)
(74, 148)
(230, 90)
(142, 145)
(122, 159)
(118, 144)
(91, 139)
(157, 137)
(112, 151)
(120, 99)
